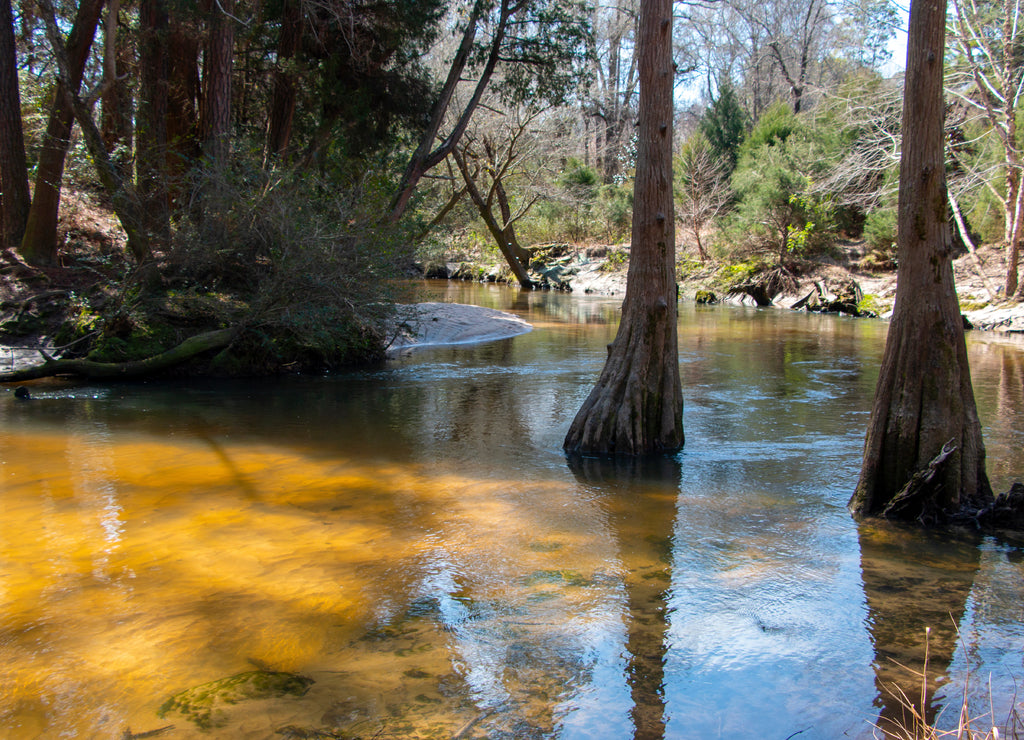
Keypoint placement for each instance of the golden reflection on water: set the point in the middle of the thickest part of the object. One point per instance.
(132, 569)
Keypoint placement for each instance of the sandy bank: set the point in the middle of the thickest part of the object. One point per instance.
(440, 324)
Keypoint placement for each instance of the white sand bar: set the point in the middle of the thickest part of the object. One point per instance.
(441, 324)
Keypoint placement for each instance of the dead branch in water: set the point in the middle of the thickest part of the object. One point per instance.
(91, 370)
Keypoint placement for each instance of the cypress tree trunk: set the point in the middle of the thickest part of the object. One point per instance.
(636, 407)
(39, 244)
(924, 401)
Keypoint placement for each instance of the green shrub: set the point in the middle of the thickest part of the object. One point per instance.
(778, 207)
(880, 230)
(309, 262)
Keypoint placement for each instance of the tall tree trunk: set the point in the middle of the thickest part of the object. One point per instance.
(116, 119)
(1014, 201)
(183, 96)
(151, 162)
(1012, 269)
(122, 195)
(39, 244)
(1011, 62)
(215, 116)
(637, 405)
(924, 402)
(14, 194)
(282, 105)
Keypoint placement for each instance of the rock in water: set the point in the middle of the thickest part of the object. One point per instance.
(203, 704)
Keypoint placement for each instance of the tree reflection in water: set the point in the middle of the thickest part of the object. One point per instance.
(641, 495)
(916, 585)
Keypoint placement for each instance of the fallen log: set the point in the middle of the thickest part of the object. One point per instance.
(91, 370)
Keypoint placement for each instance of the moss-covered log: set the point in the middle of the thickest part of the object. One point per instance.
(92, 370)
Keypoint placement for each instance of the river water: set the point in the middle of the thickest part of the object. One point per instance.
(406, 552)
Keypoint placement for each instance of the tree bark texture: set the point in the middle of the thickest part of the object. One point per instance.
(282, 106)
(924, 398)
(183, 95)
(215, 115)
(14, 194)
(151, 165)
(39, 243)
(636, 407)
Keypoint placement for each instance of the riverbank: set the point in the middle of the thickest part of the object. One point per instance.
(37, 304)
(829, 283)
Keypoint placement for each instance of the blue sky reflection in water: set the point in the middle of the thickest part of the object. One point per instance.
(413, 539)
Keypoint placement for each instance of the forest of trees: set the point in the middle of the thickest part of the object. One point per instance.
(294, 154)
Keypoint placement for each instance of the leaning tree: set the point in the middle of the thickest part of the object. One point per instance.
(637, 405)
(924, 457)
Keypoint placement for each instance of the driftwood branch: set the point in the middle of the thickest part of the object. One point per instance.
(920, 490)
(191, 347)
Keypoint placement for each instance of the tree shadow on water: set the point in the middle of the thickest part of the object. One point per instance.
(640, 496)
(916, 586)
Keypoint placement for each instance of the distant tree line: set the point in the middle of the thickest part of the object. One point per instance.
(284, 145)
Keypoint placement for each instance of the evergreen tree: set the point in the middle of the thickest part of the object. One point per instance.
(724, 126)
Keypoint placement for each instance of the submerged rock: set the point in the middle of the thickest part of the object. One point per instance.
(203, 705)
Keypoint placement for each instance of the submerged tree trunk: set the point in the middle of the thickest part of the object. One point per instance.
(924, 410)
(190, 348)
(636, 407)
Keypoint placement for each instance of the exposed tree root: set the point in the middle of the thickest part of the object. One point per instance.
(764, 286)
(916, 501)
(191, 347)
(912, 501)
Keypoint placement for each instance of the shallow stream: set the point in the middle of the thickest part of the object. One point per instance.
(406, 552)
